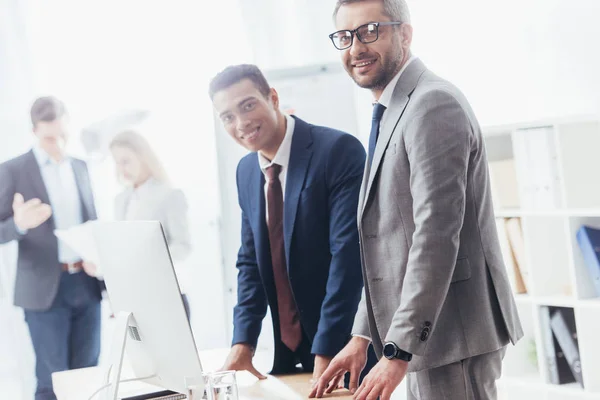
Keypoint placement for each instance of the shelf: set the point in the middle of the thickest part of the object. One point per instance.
(593, 303)
(572, 212)
(524, 299)
(568, 388)
(540, 174)
(555, 301)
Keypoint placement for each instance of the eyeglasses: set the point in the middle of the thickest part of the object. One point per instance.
(367, 33)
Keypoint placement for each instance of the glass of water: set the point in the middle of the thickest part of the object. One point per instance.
(221, 385)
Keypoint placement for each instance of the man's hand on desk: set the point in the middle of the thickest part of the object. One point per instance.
(321, 364)
(382, 380)
(352, 358)
(240, 359)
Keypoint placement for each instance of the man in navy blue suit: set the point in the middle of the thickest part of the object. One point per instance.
(298, 190)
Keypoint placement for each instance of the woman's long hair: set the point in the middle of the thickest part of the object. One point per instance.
(139, 145)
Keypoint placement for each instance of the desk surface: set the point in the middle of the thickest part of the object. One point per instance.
(81, 383)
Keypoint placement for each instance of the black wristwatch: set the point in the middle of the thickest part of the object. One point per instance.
(393, 352)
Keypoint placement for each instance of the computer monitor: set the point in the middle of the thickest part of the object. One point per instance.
(144, 295)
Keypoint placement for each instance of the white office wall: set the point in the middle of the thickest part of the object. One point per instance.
(515, 59)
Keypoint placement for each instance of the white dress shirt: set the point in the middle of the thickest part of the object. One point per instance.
(282, 157)
(63, 194)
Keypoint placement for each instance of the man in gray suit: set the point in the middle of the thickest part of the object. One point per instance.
(40, 191)
(437, 302)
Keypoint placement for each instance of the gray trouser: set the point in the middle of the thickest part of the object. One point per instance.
(470, 379)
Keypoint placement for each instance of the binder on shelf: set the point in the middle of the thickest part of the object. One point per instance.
(503, 179)
(565, 332)
(588, 239)
(537, 167)
(514, 275)
(559, 371)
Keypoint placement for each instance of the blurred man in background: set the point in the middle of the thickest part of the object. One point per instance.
(40, 191)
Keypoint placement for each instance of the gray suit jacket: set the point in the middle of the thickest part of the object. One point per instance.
(38, 268)
(165, 204)
(435, 282)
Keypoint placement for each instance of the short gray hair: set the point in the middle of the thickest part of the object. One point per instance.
(397, 10)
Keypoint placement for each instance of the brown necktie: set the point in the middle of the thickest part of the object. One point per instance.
(289, 323)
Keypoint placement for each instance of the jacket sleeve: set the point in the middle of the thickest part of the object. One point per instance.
(344, 284)
(437, 142)
(8, 229)
(251, 306)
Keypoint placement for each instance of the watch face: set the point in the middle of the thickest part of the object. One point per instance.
(389, 350)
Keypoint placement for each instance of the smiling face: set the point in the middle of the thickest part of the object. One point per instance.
(373, 65)
(251, 119)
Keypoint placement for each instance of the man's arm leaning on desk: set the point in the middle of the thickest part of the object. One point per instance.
(344, 284)
(251, 306)
(345, 164)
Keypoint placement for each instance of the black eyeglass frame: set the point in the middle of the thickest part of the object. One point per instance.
(354, 32)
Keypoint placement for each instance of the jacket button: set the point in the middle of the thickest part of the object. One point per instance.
(425, 331)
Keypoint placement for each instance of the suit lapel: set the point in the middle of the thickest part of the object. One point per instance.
(256, 194)
(404, 88)
(300, 155)
(363, 189)
(36, 178)
(84, 190)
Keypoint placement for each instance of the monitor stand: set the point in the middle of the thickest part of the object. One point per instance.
(125, 322)
(117, 352)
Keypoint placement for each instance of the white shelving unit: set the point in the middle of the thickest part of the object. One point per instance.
(561, 163)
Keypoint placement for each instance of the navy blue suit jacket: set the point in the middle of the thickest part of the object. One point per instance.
(321, 240)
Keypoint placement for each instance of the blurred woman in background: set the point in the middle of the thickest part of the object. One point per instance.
(148, 195)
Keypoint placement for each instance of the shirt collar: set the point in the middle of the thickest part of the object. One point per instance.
(386, 96)
(282, 157)
(42, 157)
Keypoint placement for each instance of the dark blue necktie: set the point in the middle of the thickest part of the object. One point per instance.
(378, 110)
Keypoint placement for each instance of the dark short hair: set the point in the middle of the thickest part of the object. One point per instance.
(234, 74)
(47, 109)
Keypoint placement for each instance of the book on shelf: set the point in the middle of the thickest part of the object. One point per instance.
(559, 371)
(563, 326)
(588, 239)
(538, 176)
(514, 233)
(503, 180)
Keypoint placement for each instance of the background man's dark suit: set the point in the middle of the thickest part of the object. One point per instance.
(62, 310)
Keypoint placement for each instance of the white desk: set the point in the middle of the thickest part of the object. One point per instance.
(81, 383)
